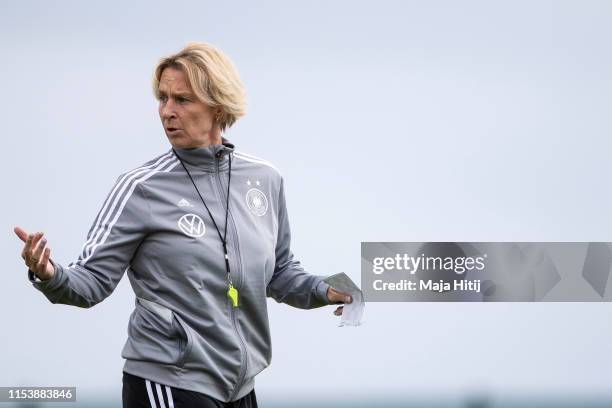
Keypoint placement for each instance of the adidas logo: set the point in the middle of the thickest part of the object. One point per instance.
(184, 203)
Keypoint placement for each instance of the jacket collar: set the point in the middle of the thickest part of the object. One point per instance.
(208, 157)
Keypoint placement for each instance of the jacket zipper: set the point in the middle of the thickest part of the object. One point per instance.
(238, 284)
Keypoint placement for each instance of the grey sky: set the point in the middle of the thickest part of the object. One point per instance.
(391, 121)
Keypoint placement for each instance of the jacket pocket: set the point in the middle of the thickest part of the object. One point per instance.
(155, 334)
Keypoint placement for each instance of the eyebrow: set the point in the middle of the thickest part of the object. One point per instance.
(183, 94)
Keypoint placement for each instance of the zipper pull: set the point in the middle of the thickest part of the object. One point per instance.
(232, 293)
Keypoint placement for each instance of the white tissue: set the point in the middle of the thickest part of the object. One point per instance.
(352, 313)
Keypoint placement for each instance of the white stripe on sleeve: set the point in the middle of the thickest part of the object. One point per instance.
(172, 163)
(252, 159)
(114, 198)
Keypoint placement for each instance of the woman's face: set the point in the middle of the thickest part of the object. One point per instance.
(187, 121)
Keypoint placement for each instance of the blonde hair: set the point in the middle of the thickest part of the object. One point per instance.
(212, 76)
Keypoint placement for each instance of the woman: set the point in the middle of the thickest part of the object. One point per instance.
(203, 233)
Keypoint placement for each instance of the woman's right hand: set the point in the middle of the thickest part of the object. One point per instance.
(36, 254)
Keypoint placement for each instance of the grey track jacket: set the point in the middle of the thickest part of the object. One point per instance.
(183, 331)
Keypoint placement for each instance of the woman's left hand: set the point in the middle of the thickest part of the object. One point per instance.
(335, 296)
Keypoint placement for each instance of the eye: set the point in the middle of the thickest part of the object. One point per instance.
(163, 98)
(180, 99)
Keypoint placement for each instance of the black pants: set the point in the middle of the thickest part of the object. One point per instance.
(142, 393)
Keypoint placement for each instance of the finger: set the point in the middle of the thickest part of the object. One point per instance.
(343, 297)
(33, 240)
(36, 239)
(38, 251)
(21, 234)
(45, 259)
(26, 249)
(333, 295)
(339, 297)
(31, 245)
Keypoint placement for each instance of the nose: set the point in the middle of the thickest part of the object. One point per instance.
(166, 109)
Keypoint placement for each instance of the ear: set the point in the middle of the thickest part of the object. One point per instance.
(218, 114)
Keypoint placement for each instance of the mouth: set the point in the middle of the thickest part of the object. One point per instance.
(171, 129)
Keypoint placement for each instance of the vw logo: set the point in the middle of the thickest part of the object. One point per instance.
(192, 225)
(257, 202)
